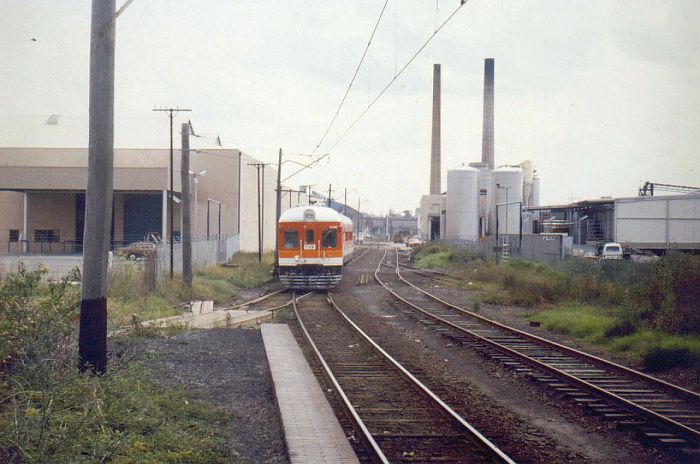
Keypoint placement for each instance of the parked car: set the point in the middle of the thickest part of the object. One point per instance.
(137, 250)
(414, 241)
(612, 250)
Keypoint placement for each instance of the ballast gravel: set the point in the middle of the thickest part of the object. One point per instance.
(227, 368)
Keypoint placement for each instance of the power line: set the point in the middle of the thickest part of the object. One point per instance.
(396, 76)
(342, 101)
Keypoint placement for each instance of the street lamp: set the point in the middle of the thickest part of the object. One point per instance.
(195, 179)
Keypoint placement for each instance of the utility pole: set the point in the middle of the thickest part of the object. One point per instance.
(345, 203)
(278, 211)
(185, 209)
(358, 219)
(171, 207)
(261, 205)
(92, 342)
(262, 212)
(330, 192)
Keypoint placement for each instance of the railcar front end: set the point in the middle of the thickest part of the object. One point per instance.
(311, 247)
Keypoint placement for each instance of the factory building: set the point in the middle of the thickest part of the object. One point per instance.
(42, 198)
(481, 199)
(656, 223)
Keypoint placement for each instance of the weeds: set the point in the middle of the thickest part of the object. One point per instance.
(50, 412)
(651, 311)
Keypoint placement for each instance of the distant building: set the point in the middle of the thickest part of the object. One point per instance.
(42, 198)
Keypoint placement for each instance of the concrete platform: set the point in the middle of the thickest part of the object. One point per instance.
(311, 429)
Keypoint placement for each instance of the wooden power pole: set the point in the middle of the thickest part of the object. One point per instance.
(185, 207)
(278, 212)
(92, 341)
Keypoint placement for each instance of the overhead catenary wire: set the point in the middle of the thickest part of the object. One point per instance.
(396, 76)
(347, 90)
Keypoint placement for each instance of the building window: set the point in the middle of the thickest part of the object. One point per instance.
(47, 235)
(14, 235)
(329, 239)
(291, 239)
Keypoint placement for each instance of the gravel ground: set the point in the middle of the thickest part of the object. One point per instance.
(227, 367)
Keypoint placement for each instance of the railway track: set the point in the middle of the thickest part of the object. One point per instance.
(397, 418)
(271, 301)
(661, 413)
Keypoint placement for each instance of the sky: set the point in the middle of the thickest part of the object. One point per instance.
(601, 95)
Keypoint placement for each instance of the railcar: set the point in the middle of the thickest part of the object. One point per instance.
(313, 244)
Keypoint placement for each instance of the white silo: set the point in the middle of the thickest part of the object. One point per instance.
(535, 193)
(462, 216)
(506, 187)
(484, 181)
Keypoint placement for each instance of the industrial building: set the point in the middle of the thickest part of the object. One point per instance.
(42, 198)
(655, 223)
(481, 199)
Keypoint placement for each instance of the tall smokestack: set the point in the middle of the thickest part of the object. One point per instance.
(435, 144)
(487, 137)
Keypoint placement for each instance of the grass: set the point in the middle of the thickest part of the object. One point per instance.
(243, 270)
(579, 321)
(127, 293)
(439, 260)
(649, 312)
(51, 412)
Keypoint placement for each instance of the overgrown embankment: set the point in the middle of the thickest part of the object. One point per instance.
(650, 312)
(50, 412)
(128, 293)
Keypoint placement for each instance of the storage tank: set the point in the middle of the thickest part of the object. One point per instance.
(535, 194)
(484, 181)
(462, 215)
(506, 187)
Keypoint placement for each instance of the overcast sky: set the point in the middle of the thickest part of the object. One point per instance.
(600, 95)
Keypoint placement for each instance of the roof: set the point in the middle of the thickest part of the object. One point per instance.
(320, 214)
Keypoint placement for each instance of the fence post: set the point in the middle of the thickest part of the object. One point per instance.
(149, 272)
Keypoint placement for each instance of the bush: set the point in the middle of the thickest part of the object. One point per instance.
(659, 359)
(51, 412)
(673, 291)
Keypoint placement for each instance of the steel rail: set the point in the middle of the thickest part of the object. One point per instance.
(470, 429)
(353, 258)
(688, 394)
(255, 300)
(665, 422)
(371, 446)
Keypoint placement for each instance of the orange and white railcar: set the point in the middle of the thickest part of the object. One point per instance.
(314, 243)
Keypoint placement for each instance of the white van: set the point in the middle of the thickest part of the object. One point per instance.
(611, 250)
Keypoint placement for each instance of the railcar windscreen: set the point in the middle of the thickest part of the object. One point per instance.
(329, 239)
(309, 236)
(291, 239)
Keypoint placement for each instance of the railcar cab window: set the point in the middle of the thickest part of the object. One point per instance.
(329, 239)
(309, 236)
(291, 239)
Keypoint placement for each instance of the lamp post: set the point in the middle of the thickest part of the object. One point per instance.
(195, 179)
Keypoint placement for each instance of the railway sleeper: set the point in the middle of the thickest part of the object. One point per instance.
(655, 437)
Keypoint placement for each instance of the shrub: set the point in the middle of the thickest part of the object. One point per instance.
(661, 359)
(51, 412)
(673, 290)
